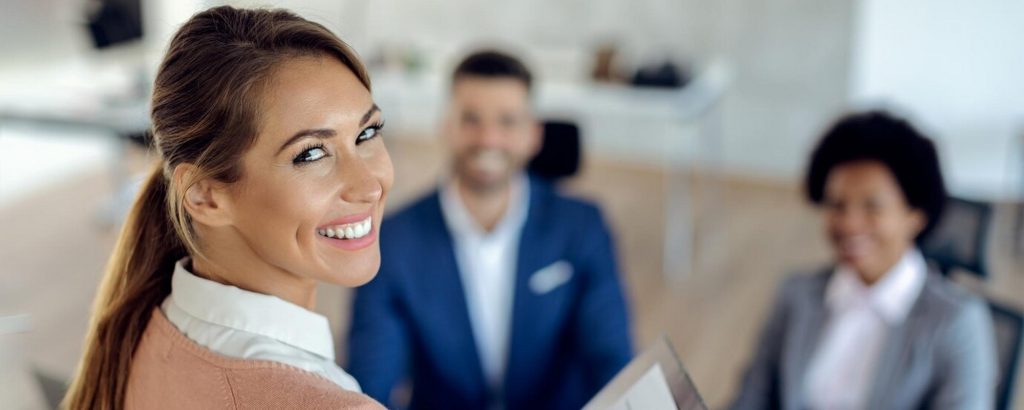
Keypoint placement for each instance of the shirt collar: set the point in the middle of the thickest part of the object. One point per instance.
(251, 312)
(892, 296)
(461, 222)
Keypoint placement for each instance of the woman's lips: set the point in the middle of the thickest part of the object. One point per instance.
(352, 244)
(352, 232)
(346, 220)
(855, 247)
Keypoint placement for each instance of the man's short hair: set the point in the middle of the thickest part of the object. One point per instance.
(493, 64)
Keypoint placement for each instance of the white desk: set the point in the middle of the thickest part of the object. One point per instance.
(96, 99)
(671, 128)
(80, 94)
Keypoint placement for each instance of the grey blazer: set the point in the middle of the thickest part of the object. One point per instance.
(941, 357)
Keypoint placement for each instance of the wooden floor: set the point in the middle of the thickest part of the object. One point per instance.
(750, 235)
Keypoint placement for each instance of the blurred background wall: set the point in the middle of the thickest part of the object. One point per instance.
(794, 63)
(711, 171)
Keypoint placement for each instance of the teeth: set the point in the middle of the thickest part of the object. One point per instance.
(348, 231)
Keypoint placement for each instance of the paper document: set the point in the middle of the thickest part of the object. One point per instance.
(649, 393)
(654, 380)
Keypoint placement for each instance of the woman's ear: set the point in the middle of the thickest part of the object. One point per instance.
(206, 200)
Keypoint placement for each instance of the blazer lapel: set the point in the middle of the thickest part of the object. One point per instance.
(896, 353)
(890, 360)
(803, 341)
(448, 295)
(524, 332)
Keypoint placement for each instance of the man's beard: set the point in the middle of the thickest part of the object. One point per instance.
(486, 171)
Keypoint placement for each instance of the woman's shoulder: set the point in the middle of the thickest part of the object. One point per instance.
(946, 300)
(287, 388)
(171, 371)
(809, 284)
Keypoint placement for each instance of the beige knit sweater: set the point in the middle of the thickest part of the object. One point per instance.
(169, 371)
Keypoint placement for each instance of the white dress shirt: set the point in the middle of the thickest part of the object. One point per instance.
(861, 316)
(246, 325)
(487, 268)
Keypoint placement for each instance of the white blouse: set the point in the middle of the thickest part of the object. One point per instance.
(861, 317)
(246, 325)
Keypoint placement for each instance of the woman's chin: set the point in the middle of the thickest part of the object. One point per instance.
(857, 262)
(357, 281)
(354, 273)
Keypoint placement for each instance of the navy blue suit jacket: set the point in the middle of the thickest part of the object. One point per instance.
(411, 323)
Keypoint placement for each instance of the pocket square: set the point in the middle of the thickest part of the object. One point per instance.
(550, 277)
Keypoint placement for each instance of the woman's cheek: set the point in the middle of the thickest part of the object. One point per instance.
(383, 169)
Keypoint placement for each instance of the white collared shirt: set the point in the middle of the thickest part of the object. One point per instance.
(246, 325)
(487, 268)
(842, 370)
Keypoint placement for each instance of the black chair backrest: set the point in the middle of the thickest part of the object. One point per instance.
(960, 240)
(559, 155)
(1019, 227)
(116, 22)
(1009, 325)
(53, 388)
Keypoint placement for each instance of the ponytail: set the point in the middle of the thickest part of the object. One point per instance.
(204, 112)
(137, 279)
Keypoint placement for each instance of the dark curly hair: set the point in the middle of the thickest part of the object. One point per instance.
(894, 142)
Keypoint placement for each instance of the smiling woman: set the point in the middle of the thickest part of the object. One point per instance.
(841, 338)
(272, 178)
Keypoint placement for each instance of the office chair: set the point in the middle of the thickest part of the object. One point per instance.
(1019, 230)
(1009, 326)
(115, 22)
(54, 388)
(960, 240)
(559, 155)
(1019, 227)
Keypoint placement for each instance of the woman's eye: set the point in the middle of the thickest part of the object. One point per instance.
(369, 133)
(310, 155)
(874, 204)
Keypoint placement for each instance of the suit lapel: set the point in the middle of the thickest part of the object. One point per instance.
(895, 354)
(812, 315)
(449, 296)
(890, 360)
(524, 333)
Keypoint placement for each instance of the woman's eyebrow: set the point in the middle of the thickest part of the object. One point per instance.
(318, 133)
(325, 132)
(366, 117)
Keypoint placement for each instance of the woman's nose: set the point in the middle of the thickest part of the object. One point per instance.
(359, 183)
(850, 222)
